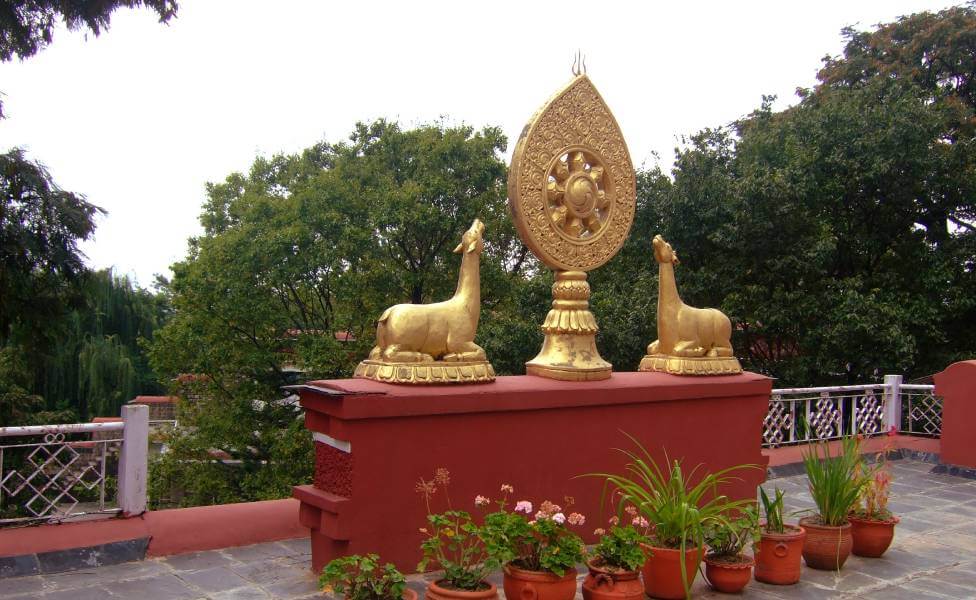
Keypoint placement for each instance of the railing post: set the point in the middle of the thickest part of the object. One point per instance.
(892, 402)
(134, 461)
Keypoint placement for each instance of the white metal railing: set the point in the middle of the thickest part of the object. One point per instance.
(50, 472)
(802, 415)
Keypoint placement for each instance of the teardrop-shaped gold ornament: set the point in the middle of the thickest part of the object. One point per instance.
(571, 187)
(572, 193)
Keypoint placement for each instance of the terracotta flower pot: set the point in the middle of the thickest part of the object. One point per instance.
(727, 576)
(538, 585)
(872, 538)
(606, 584)
(409, 594)
(778, 556)
(827, 546)
(662, 572)
(435, 591)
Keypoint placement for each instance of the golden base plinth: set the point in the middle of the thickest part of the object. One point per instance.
(427, 373)
(569, 351)
(687, 365)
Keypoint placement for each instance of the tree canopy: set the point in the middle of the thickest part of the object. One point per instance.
(41, 267)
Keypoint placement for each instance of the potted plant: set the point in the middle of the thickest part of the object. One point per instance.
(362, 578)
(615, 564)
(835, 484)
(872, 524)
(780, 546)
(727, 568)
(677, 511)
(452, 542)
(538, 554)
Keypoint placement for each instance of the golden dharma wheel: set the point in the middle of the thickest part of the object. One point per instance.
(572, 189)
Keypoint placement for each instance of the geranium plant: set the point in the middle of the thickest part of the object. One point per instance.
(727, 538)
(453, 540)
(619, 549)
(362, 578)
(873, 502)
(535, 541)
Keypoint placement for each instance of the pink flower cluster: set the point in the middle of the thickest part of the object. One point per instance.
(523, 506)
(481, 501)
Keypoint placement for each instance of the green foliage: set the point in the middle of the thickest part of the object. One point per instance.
(620, 549)
(41, 268)
(729, 537)
(835, 482)
(679, 508)
(773, 511)
(98, 363)
(543, 544)
(362, 578)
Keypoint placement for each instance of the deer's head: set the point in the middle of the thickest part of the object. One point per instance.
(471, 239)
(663, 252)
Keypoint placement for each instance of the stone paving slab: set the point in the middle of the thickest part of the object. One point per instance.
(933, 556)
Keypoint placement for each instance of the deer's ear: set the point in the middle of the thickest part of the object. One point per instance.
(472, 246)
(459, 248)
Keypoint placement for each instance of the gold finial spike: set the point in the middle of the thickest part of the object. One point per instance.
(579, 63)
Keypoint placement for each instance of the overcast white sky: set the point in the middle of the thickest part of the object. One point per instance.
(141, 117)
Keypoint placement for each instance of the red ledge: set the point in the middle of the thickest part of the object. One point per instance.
(173, 531)
(366, 399)
(320, 499)
(788, 455)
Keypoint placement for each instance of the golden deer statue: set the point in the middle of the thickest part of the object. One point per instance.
(434, 343)
(691, 341)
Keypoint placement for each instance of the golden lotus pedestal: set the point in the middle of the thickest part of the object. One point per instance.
(569, 351)
(690, 365)
(427, 373)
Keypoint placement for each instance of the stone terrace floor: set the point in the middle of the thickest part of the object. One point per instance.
(933, 556)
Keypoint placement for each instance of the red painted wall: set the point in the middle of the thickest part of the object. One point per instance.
(957, 386)
(535, 434)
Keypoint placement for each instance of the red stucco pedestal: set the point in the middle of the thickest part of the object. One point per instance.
(957, 386)
(374, 441)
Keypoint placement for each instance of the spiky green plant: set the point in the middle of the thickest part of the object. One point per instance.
(773, 510)
(835, 482)
(678, 510)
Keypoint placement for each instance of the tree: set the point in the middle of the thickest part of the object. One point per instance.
(98, 362)
(41, 268)
(316, 243)
(936, 54)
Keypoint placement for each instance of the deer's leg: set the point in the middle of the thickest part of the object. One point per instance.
(465, 351)
(376, 353)
(720, 351)
(393, 353)
(652, 348)
(688, 348)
